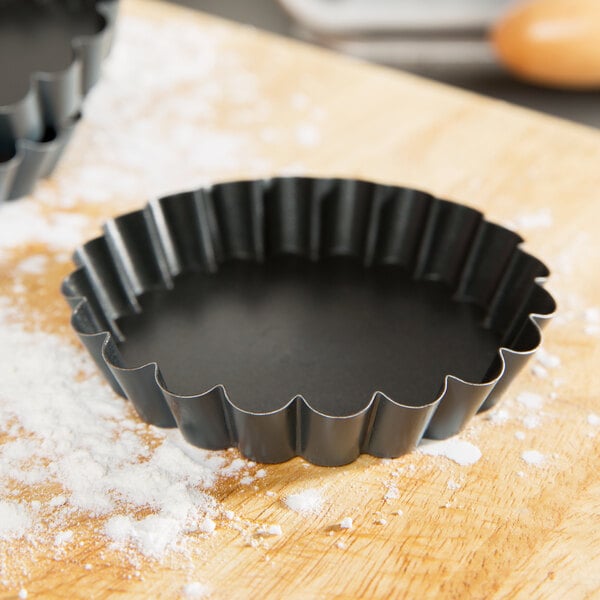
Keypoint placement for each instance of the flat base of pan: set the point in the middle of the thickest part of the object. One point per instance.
(333, 332)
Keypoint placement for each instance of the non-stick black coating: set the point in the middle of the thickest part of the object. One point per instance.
(331, 331)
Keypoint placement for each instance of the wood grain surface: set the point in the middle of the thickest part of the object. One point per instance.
(511, 530)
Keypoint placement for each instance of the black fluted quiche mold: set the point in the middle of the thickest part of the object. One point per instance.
(51, 52)
(190, 247)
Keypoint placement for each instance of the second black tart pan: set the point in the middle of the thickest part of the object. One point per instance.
(316, 317)
(51, 53)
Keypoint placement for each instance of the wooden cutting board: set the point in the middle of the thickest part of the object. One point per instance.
(511, 529)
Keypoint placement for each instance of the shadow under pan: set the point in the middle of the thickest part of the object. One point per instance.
(331, 331)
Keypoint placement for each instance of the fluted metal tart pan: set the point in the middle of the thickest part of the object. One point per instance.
(323, 318)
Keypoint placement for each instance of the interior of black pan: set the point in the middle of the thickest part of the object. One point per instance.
(332, 331)
(36, 35)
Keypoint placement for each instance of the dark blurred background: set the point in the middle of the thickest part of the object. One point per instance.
(441, 39)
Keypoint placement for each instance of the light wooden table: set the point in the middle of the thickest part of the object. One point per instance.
(500, 534)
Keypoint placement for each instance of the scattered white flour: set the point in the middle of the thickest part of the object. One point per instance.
(591, 317)
(381, 521)
(65, 430)
(392, 493)
(530, 400)
(33, 265)
(460, 451)
(153, 535)
(78, 434)
(547, 360)
(541, 219)
(212, 122)
(195, 589)
(499, 416)
(299, 101)
(207, 525)
(25, 222)
(306, 502)
(593, 419)
(399, 513)
(308, 135)
(63, 537)
(533, 457)
(73, 432)
(23, 594)
(531, 421)
(127, 119)
(15, 519)
(539, 371)
(520, 435)
(453, 485)
(57, 501)
(341, 545)
(346, 523)
(274, 530)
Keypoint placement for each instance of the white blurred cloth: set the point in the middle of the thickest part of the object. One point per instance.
(425, 36)
(350, 17)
